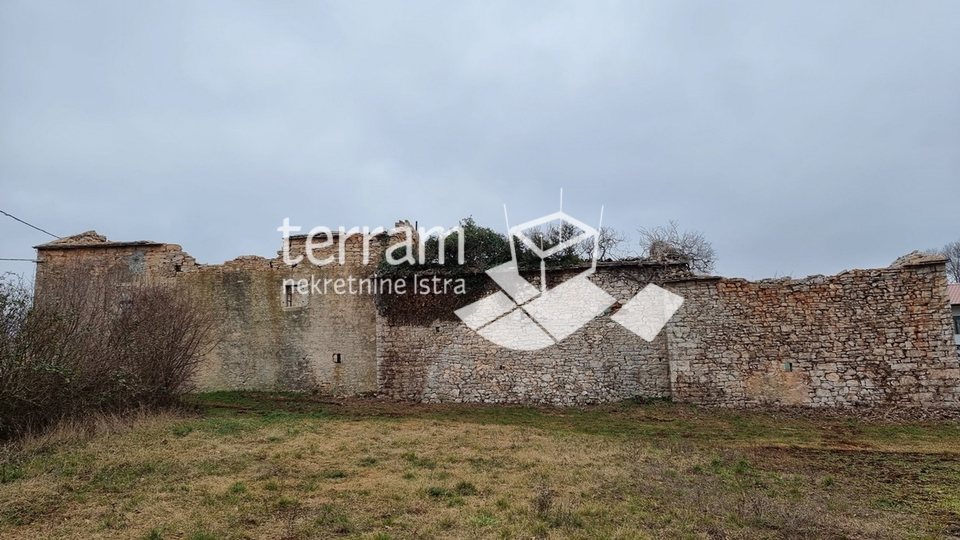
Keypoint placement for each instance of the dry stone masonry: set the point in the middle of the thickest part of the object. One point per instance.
(863, 337)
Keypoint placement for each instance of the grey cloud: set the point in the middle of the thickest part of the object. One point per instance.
(802, 137)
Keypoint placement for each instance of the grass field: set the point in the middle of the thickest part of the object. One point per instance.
(290, 467)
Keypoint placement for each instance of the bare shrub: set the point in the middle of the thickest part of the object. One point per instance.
(161, 333)
(668, 243)
(95, 344)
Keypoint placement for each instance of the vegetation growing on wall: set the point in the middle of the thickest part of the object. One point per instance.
(485, 248)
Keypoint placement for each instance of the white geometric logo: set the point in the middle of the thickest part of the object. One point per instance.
(523, 318)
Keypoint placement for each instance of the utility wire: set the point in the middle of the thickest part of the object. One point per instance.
(24, 260)
(28, 224)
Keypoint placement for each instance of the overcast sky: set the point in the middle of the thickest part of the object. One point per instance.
(801, 138)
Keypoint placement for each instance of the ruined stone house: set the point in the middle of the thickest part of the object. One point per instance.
(872, 337)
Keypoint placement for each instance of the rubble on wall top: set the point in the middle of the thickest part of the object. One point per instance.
(916, 258)
(84, 238)
(912, 259)
(90, 239)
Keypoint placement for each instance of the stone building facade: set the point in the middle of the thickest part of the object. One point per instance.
(863, 337)
(270, 337)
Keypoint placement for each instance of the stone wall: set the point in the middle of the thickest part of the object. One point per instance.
(434, 357)
(320, 342)
(862, 337)
(877, 337)
(92, 256)
(324, 343)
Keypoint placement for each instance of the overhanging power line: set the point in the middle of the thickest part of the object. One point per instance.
(28, 224)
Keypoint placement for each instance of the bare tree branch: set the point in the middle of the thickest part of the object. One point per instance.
(952, 252)
(610, 245)
(669, 242)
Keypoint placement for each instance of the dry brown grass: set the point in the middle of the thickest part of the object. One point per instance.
(482, 472)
